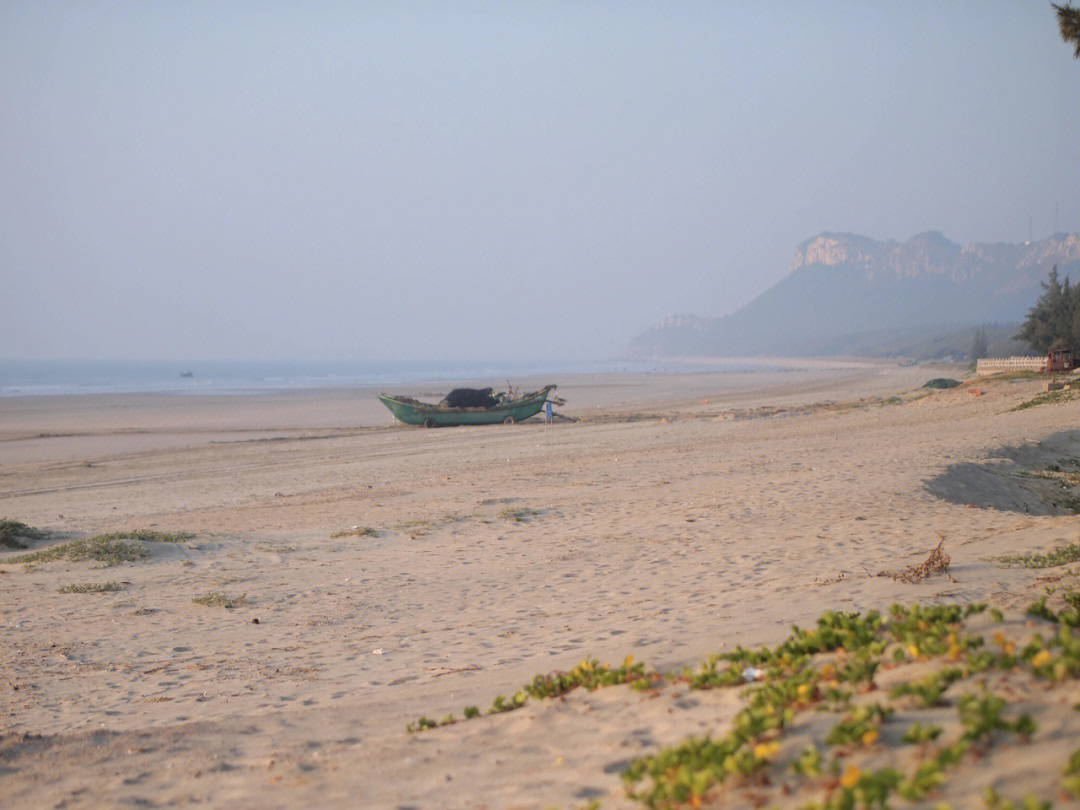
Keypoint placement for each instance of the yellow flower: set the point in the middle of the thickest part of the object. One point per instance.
(999, 637)
(870, 736)
(828, 672)
(805, 691)
(1042, 658)
(766, 750)
(629, 662)
(1008, 648)
(954, 652)
(851, 776)
(913, 651)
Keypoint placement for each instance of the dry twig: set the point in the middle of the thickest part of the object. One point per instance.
(936, 563)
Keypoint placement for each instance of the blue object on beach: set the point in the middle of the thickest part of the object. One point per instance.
(547, 411)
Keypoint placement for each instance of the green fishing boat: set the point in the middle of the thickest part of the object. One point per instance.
(504, 408)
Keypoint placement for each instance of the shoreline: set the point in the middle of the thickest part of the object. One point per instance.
(50, 418)
(446, 379)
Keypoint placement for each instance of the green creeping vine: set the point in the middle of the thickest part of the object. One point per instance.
(108, 549)
(12, 530)
(1071, 783)
(590, 674)
(1060, 556)
(930, 689)
(807, 672)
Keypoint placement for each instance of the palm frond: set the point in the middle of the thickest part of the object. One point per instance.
(1069, 24)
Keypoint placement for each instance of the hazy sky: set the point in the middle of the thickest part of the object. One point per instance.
(492, 180)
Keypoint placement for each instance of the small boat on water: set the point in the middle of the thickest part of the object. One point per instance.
(502, 408)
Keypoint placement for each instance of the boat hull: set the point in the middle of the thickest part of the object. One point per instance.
(412, 412)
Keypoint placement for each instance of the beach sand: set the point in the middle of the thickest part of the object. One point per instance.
(684, 514)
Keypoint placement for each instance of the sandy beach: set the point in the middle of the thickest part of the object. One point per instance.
(381, 573)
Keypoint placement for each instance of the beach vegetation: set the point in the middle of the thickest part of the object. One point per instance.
(1048, 398)
(919, 733)
(995, 801)
(1071, 783)
(13, 532)
(930, 689)
(1059, 556)
(929, 776)
(220, 599)
(357, 531)
(112, 548)
(418, 527)
(105, 551)
(274, 547)
(501, 704)
(861, 726)
(589, 674)
(518, 514)
(785, 686)
(809, 762)
(421, 723)
(1069, 615)
(683, 774)
(982, 716)
(147, 536)
(90, 587)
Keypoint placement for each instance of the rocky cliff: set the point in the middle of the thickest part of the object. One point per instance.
(854, 295)
(931, 253)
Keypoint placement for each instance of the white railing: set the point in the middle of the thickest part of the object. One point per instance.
(996, 365)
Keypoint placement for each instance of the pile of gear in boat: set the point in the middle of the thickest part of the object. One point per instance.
(473, 398)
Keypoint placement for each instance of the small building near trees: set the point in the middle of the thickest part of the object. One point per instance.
(1059, 360)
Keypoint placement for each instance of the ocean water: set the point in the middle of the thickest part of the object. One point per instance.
(28, 377)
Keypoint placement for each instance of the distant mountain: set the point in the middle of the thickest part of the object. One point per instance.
(847, 294)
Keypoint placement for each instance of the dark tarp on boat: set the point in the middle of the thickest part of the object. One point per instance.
(470, 398)
(506, 410)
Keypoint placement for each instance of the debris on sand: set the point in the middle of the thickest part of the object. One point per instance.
(941, 383)
(936, 563)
